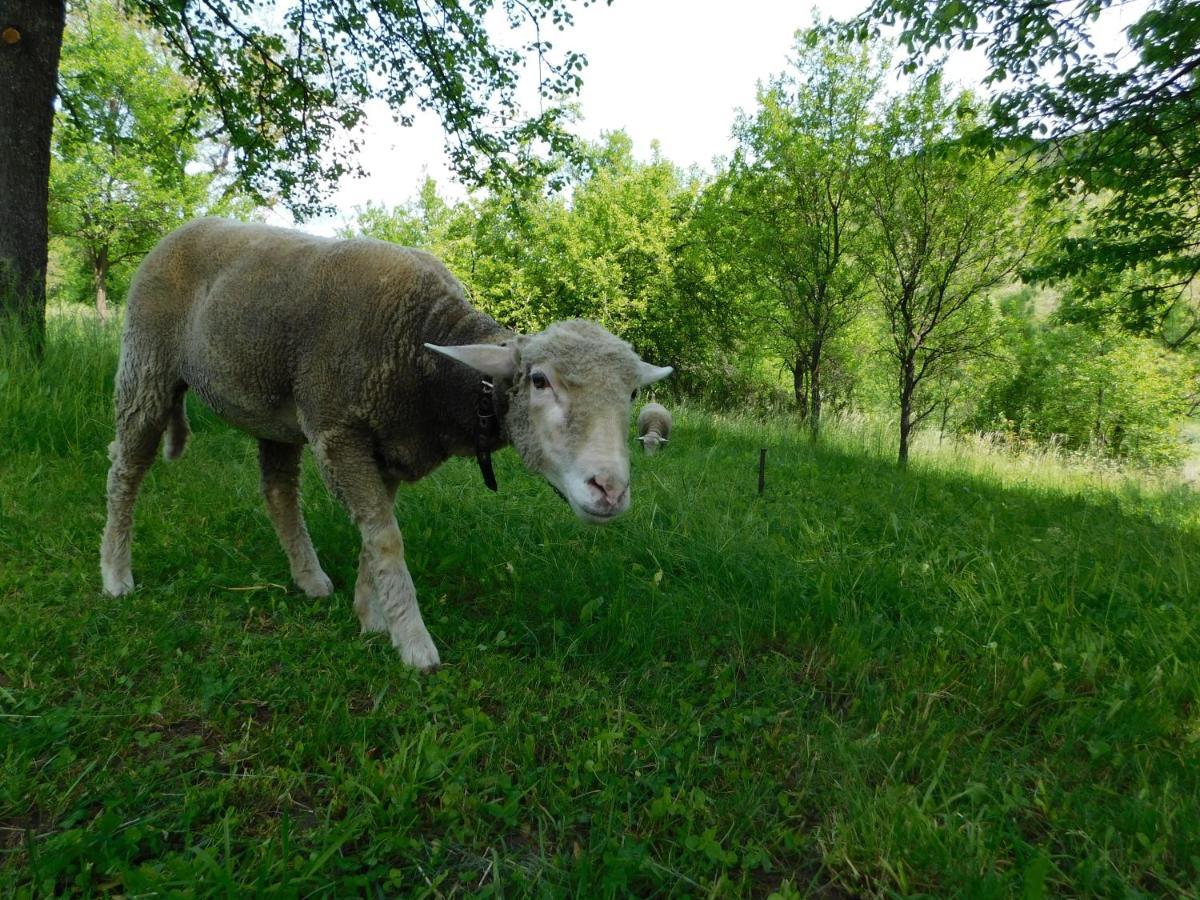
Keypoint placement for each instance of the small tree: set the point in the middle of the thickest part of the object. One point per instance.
(944, 237)
(794, 203)
(123, 145)
(1119, 130)
(613, 253)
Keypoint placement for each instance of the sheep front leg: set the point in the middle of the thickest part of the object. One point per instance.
(365, 604)
(350, 472)
(394, 599)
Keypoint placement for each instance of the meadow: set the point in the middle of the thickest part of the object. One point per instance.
(976, 677)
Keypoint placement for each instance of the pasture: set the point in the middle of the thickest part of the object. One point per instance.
(976, 677)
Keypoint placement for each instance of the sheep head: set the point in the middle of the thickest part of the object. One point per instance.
(652, 442)
(572, 387)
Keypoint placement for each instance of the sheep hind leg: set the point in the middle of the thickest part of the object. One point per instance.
(386, 589)
(178, 430)
(143, 408)
(280, 465)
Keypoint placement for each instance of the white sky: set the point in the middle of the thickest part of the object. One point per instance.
(668, 70)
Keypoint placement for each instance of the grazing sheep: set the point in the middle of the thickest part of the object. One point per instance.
(298, 339)
(654, 427)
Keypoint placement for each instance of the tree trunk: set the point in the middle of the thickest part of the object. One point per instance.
(907, 387)
(100, 278)
(800, 386)
(30, 41)
(814, 387)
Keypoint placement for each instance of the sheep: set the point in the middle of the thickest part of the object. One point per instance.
(654, 427)
(372, 355)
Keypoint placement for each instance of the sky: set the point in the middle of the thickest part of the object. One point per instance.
(668, 70)
(675, 71)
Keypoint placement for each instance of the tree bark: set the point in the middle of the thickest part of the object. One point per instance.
(800, 386)
(30, 42)
(814, 387)
(907, 388)
(100, 277)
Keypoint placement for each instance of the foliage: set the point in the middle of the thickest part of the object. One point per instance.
(422, 222)
(641, 247)
(713, 696)
(616, 251)
(840, 233)
(943, 228)
(290, 84)
(1084, 389)
(123, 147)
(612, 254)
(1121, 131)
(791, 219)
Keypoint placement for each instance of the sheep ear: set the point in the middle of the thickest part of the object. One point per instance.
(641, 439)
(648, 374)
(497, 360)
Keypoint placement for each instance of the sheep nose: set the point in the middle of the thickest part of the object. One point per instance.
(608, 490)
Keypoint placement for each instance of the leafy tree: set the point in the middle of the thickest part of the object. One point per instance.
(489, 242)
(1100, 391)
(422, 222)
(614, 254)
(793, 204)
(617, 250)
(943, 229)
(282, 80)
(1121, 132)
(122, 146)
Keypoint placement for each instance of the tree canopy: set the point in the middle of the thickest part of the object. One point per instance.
(284, 80)
(864, 237)
(794, 201)
(1116, 136)
(287, 83)
(125, 169)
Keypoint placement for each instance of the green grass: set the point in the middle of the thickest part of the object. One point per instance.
(979, 677)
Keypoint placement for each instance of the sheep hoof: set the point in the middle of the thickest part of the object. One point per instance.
(117, 584)
(420, 653)
(315, 585)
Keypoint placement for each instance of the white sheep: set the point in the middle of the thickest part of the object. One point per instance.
(298, 339)
(653, 427)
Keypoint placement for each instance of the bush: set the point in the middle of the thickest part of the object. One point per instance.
(1125, 398)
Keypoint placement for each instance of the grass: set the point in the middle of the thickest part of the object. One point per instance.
(979, 677)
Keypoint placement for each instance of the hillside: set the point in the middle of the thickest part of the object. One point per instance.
(978, 676)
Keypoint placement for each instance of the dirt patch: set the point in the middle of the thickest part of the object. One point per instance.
(190, 727)
(259, 622)
(15, 827)
(259, 710)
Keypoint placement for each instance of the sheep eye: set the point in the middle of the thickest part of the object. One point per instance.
(539, 381)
